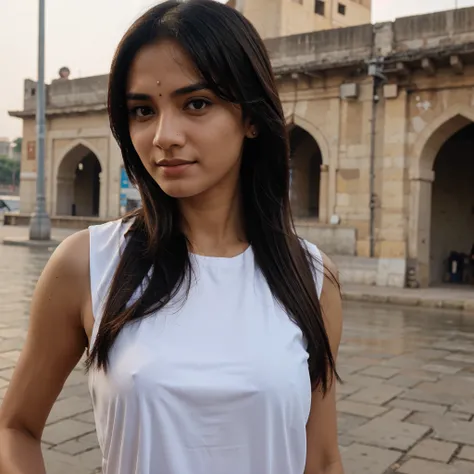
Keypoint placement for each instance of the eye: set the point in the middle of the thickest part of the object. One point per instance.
(198, 104)
(141, 112)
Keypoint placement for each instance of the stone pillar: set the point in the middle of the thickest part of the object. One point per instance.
(103, 198)
(50, 182)
(113, 178)
(420, 225)
(391, 183)
(323, 194)
(62, 205)
(27, 191)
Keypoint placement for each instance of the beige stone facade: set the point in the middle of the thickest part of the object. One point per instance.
(409, 140)
(274, 18)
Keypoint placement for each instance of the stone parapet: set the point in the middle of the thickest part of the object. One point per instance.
(328, 48)
(435, 34)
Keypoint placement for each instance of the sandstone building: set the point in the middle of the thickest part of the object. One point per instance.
(274, 18)
(381, 119)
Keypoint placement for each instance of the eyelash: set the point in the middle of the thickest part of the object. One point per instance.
(134, 111)
(207, 102)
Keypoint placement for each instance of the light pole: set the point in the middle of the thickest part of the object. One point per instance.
(40, 224)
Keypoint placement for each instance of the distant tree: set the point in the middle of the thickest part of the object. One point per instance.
(9, 171)
(18, 143)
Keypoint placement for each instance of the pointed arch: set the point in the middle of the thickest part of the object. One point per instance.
(78, 143)
(77, 180)
(314, 131)
(436, 133)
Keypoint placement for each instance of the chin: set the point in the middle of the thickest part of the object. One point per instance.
(179, 190)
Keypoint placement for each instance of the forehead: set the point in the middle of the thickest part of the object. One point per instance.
(164, 61)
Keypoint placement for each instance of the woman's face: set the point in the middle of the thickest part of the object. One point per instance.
(189, 140)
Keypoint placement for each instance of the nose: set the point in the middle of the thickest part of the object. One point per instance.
(168, 133)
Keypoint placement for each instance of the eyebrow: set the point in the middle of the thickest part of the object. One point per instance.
(198, 86)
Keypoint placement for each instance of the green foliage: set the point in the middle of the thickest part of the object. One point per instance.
(18, 143)
(9, 171)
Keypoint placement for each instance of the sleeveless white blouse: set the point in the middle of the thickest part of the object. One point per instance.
(217, 383)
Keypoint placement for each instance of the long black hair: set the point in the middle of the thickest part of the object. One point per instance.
(231, 57)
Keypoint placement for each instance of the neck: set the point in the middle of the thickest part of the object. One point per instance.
(213, 223)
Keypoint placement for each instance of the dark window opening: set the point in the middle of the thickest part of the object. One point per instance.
(319, 7)
(341, 9)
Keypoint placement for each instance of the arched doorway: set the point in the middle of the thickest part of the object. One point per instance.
(452, 205)
(305, 163)
(78, 183)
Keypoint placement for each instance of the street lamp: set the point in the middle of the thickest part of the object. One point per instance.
(40, 224)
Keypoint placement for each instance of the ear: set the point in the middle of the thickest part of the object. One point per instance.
(252, 133)
(251, 130)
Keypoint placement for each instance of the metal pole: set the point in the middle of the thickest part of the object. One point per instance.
(375, 71)
(373, 129)
(40, 224)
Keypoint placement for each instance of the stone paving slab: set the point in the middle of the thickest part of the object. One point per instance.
(359, 458)
(360, 409)
(434, 450)
(467, 453)
(422, 466)
(377, 394)
(406, 405)
(389, 434)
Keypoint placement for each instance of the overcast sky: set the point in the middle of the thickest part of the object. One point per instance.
(83, 35)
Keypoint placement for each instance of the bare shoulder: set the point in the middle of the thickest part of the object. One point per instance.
(67, 274)
(72, 256)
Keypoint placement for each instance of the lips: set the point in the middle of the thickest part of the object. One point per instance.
(174, 168)
(174, 162)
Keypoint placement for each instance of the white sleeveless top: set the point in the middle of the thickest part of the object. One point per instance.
(217, 384)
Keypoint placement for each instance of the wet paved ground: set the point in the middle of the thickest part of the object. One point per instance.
(407, 404)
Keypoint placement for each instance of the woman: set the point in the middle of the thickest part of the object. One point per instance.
(213, 330)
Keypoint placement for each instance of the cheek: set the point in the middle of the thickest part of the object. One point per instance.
(221, 143)
(142, 140)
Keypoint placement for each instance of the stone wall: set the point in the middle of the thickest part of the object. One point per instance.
(320, 49)
(62, 93)
(357, 13)
(275, 18)
(371, 271)
(79, 92)
(405, 37)
(331, 239)
(441, 29)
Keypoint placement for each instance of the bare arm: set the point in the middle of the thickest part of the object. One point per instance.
(55, 343)
(323, 450)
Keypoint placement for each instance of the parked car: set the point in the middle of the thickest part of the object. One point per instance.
(9, 204)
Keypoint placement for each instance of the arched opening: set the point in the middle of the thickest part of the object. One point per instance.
(305, 169)
(452, 210)
(78, 183)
